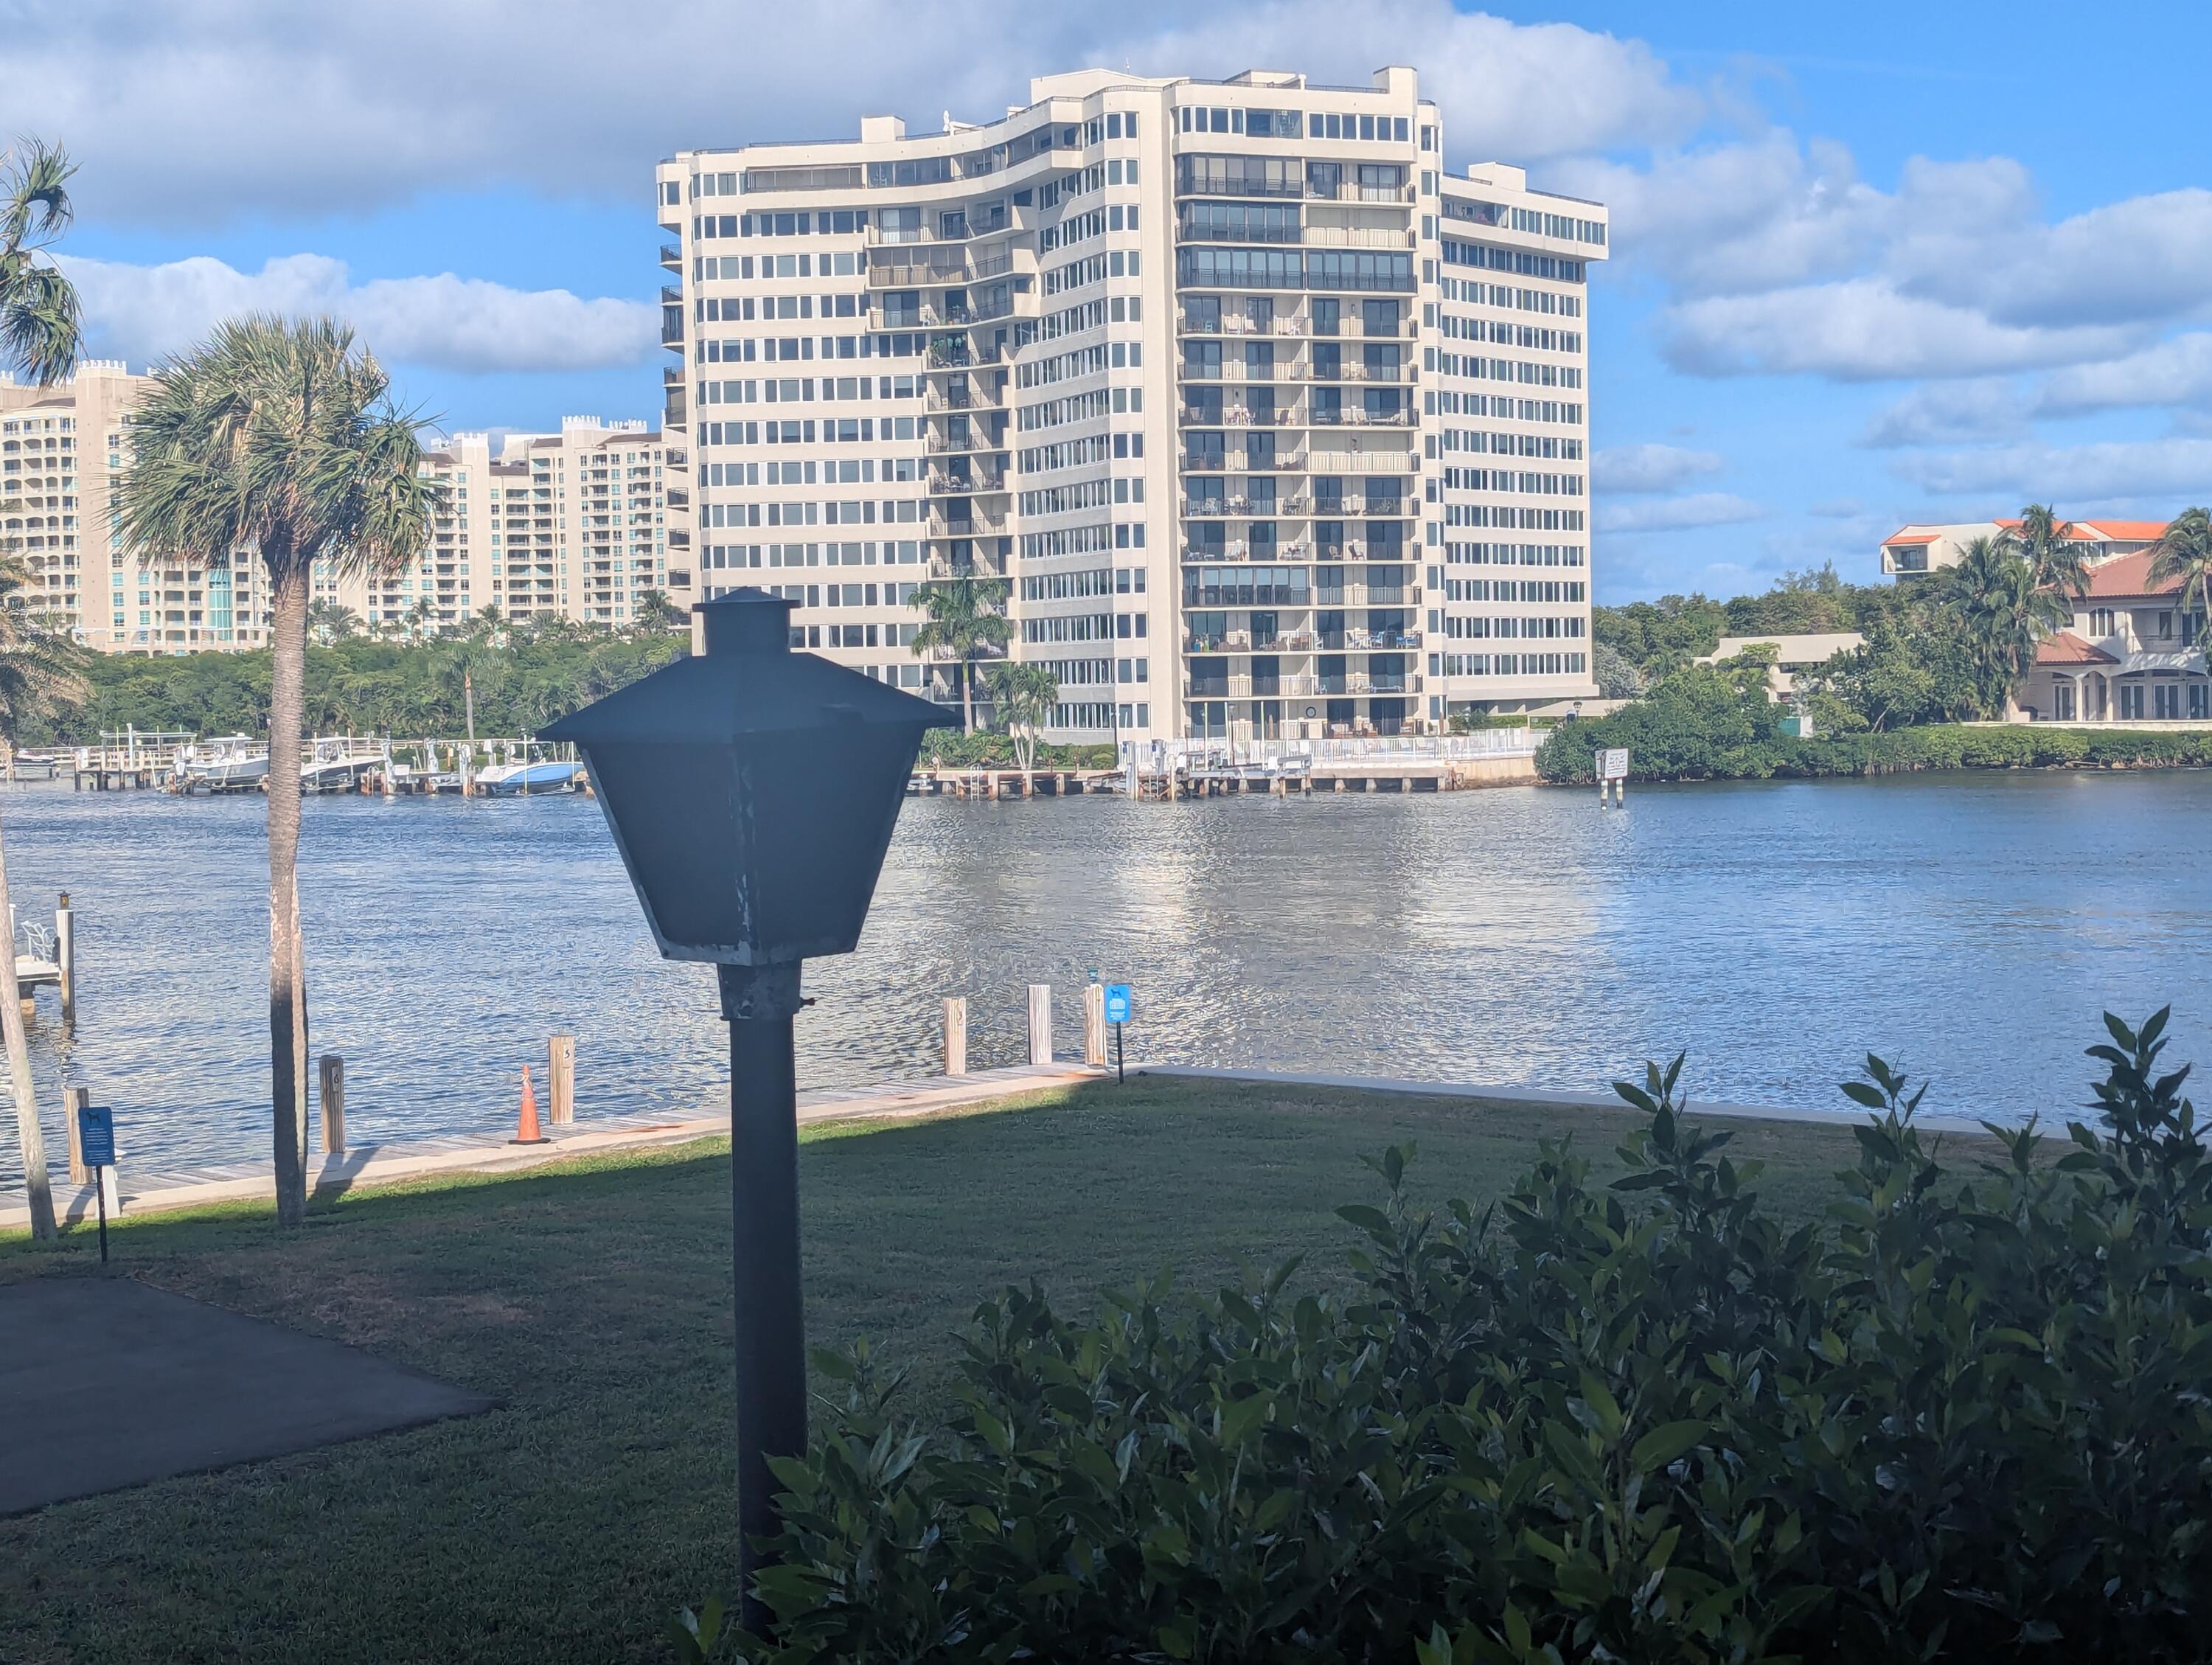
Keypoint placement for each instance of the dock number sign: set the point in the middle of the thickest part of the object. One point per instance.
(1117, 1003)
(1612, 763)
(95, 1125)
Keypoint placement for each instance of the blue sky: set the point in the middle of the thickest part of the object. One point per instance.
(1872, 264)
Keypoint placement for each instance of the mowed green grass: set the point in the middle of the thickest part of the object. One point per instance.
(592, 1299)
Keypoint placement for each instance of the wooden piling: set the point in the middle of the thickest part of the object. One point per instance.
(956, 1035)
(561, 1078)
(65, 955)
(1093, 1025)
(1040, 1024)
(333, 1099)
(73, 1100)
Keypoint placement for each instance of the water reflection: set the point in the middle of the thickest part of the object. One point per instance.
(1968, 927)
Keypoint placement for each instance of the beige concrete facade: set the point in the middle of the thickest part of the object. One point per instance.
(574, 524)
(571, 524)
(62, 450)
(1191, 366)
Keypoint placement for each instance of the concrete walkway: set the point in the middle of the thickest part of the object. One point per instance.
(114, 1383)
(381, 1163)
(1843, 1115)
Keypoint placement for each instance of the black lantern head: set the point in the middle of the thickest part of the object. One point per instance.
(751, 790)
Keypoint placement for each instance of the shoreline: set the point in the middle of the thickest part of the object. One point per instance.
(390, 1163)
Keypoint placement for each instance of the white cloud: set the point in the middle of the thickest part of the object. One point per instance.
(1864, 330)
(1626, 468)
(1945, 412)
(200, 108)
(145, 312)
(2177, 371)
(2045, 473)
(1704, 508)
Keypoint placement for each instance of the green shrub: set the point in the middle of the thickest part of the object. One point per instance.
(1965, 1420)
(1672, 742)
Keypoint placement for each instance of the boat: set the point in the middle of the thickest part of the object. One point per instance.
(528, 776)
(33, 766)
(336, 765)
(234, 763)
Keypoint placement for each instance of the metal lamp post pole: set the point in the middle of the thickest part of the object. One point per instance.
(759, 1003)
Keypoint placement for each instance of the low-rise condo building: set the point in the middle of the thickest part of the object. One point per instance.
(1250, 420)
(1914, 551)
(2133, 654)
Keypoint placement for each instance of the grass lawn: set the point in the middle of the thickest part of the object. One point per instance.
(593, 1299)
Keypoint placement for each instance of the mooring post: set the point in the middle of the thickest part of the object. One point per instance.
(1040, 1024)
(333, 1098)
(73, 1100)
(1093, 1025)
(560, 1074)
(956, 1035)
(65, 955)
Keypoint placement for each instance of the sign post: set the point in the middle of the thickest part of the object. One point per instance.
(1611, 768)
(96, 1137)
(1117, 1013)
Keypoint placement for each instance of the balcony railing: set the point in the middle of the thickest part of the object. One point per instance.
(989, 480)
(1351, 329)
(1357, 237)
(671, 256)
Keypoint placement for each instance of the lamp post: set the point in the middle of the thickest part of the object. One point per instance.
(752, 792)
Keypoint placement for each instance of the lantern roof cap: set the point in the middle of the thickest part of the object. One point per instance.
(747, 682)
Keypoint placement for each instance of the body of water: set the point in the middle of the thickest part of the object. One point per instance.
(1968, 927)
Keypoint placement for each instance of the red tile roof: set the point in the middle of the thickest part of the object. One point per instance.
(1911, 538)
(2128, 575)
(2132, 531)
(2067, 648)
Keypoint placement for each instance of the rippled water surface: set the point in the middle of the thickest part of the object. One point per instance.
(1968, 927)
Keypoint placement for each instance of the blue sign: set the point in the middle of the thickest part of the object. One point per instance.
(1117, 1003)
(96, 1133)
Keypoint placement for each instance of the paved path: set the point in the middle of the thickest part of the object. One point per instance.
(114, 1383)
(372, 1164)
(1841, 1116)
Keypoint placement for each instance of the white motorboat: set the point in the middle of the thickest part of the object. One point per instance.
(234, 763)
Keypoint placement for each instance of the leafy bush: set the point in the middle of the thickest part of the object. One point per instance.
(1677, 740)
(983, 749)
(1966, 1421)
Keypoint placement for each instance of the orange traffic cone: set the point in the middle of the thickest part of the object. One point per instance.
(527, 1130)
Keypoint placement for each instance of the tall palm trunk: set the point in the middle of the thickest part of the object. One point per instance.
(30, 1140)
(967, 695)
(288, 986)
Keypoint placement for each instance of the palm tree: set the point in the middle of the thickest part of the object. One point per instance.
(40, 336)
(2186, 552)
(38, 317)
(1024, 695)
(333, 621)
(2002, 613)
(655, 614)
(2057, 562)
(41, 667)
(963, 619)
(280, 435)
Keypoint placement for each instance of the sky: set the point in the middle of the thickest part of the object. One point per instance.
(1869, 265)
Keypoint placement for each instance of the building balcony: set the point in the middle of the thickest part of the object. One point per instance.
(947, 445)
(976, 525)
(980, 482)
(671, 256)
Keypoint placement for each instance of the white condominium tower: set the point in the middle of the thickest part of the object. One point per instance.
(1263, 426)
